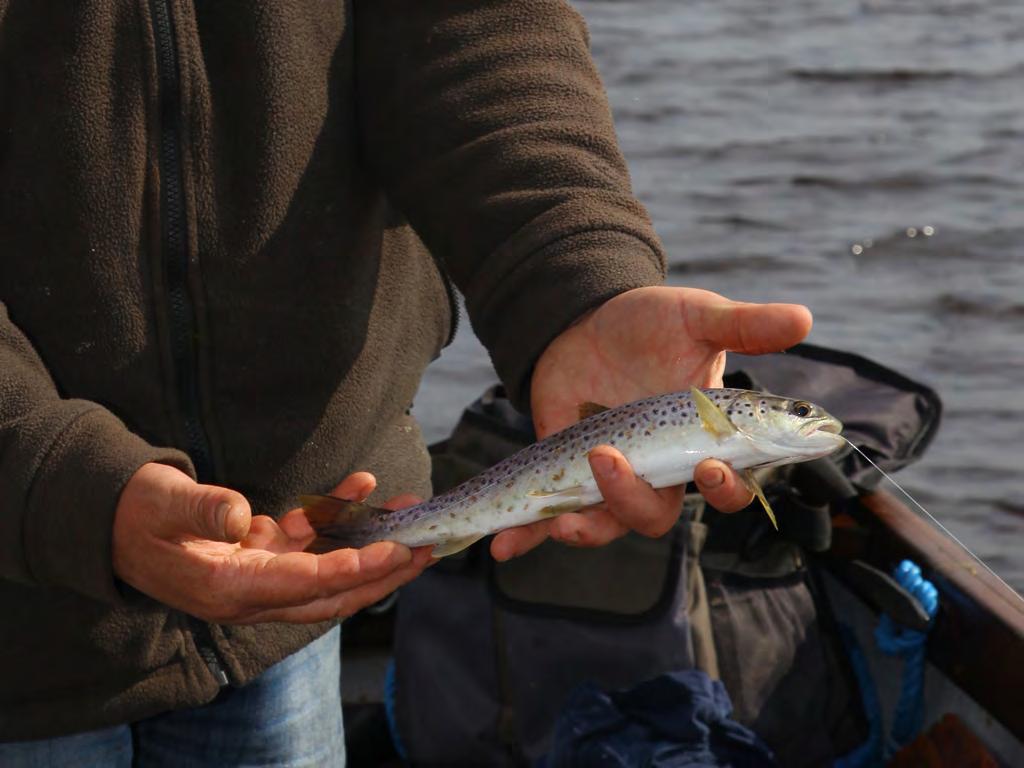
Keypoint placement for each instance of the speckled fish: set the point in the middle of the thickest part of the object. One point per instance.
(664, 438)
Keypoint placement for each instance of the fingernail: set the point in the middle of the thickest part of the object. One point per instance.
(222, 518)
(712, 479)
(603, 466)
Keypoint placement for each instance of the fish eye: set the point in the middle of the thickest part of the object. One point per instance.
(801, 409)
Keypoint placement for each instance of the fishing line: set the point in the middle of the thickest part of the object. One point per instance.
(935, 520)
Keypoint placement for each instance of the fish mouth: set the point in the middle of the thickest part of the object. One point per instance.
(827, 424)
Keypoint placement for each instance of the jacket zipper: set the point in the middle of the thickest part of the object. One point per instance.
(181, 312)
(174, 237)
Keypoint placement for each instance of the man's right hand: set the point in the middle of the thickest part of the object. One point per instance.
(199, 549)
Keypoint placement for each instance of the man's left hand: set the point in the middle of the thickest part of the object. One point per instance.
(640, 343)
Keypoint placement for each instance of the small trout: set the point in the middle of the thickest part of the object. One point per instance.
(663, 438)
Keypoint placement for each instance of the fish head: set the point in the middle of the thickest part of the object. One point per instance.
(786, 427)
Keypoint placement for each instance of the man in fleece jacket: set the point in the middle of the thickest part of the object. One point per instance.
(227, 232)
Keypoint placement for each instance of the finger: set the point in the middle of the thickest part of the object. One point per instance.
(721, 486)
(209, 512)
(748, 328)
(402, 501)
(513, 542)
(356, 487)
(264, 533)
(637, 506)
(296, 526)
(296, 578)
(349, 602)
(593, 527)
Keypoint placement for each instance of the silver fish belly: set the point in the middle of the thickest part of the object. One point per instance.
(663, 438)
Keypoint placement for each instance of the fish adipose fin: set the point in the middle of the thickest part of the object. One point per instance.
(712, 418)
(452, 546)
(588, 409)
(755, 488)
(340, 523)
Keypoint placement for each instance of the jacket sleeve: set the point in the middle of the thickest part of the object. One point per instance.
(490, 129)
(63, 464)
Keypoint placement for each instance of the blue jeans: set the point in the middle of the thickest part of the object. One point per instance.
(288, 716)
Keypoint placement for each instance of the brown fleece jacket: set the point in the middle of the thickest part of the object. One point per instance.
(214, 231)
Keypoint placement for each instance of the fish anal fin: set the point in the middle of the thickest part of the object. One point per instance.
(588, 409)
(712, 418)
(755, 488)
(451, 546)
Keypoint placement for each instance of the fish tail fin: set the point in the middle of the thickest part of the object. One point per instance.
(340, 524)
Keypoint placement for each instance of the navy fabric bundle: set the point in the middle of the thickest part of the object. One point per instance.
(678, 720)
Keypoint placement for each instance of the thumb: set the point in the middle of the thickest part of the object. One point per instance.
(219, 514)
(748, 328)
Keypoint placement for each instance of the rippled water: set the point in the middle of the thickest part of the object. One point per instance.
(863, 158)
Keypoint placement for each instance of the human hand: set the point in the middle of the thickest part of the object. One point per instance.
(199, 549)
(640, 343)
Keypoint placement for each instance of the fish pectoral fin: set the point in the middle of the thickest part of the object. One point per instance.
(330, 510)
(452, 546)
(755, 488)
(588, 409)
(712, 418)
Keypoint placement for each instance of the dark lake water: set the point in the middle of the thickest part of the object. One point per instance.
(863, 158)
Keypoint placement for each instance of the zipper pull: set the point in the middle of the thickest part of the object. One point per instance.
(213, 664)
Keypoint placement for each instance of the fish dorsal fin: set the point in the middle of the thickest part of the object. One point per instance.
(330, 510)
(588, 409)
(452, 546)
(712, 418)
(755, 488)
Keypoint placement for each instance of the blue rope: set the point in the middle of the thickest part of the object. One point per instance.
(894, 640)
